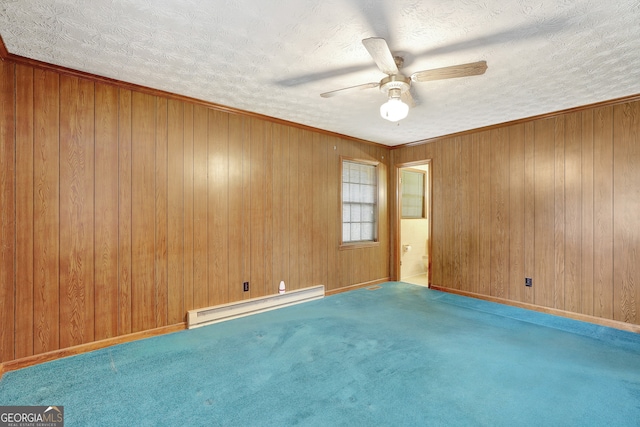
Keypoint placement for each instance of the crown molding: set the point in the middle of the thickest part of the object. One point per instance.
(608, 103)
(5, 55)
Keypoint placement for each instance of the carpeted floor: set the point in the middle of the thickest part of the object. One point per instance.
(402, 355)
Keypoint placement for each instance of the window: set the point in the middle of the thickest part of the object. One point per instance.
(359, 202)
(413, 200)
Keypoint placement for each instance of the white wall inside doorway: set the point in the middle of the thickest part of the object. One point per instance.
(415, 233)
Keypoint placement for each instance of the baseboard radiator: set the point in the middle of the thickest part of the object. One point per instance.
(220, 313)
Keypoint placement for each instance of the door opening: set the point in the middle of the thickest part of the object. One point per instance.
(413, 237)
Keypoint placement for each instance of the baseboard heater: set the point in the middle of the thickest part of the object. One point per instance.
(220, 313)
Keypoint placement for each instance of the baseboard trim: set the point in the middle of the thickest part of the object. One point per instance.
(25, 362)
(356, 286)
(220, 313)
(557, 312)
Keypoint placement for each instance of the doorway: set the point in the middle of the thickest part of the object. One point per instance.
(413, 251)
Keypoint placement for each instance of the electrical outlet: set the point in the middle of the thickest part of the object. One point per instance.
(528, 281)
(245, 286)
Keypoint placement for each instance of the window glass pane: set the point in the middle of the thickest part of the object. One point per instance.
(356, 213)
(366, 231)
(369, 193)
(355, 190)
(354, 175)
(413, 194)
(367, 214)
(359, 201)
(346, 213)
(346, 171)
(369, 175)
(355, 232)
(346, 194)
(346, 232)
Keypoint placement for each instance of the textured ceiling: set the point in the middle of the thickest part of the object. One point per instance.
(276, 57)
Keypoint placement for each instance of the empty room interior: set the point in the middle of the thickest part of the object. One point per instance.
(169, 165)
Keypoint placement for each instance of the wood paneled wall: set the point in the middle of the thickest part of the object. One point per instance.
(120, 210)
(554, 199)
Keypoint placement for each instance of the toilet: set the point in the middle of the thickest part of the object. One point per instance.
(425, 262)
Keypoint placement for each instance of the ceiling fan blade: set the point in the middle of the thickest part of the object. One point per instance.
(407, 98)
(462, 70)
(349, 89)
(379, 51)
(302, 79)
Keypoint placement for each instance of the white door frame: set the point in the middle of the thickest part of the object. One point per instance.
(398, 214)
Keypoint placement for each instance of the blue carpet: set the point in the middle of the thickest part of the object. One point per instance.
(402, 355)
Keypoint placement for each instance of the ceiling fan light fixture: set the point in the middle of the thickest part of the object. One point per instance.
(394, 109)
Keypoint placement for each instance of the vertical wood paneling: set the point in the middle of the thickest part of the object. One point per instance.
(438, 222)
(433, 152)
(320, 210)
(161, 261)
(516, 194)
(530, 205)
(450, 259)
(106, 211)
(257, 217)
(474, 213)
(484, 213)
(587, 255)
(189, 229)
(294, 208)
(46, 211)
(133, 208)
(200, 207)
(245, 217)
(7, 210)
(218, 212)
(626, 291)
(365, 269)
(143, 192)
(334, 217)
(603, 212)
(570, 188)
(466, 232)
(125, 211)
(559, 208)
(457, 194)
(305, 203)
(236, 274)
(270, 287)
(270, 193)
(176, 235)
(563, 192)
(76, 211)
(345, 257)
(500, 213)
(280, 245)
(573, 213)
(24, 210)
(382, 251)
(544, 273)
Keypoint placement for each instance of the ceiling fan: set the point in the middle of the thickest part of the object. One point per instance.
(396, 85)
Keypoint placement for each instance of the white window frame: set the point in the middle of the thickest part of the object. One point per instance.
(366, 204)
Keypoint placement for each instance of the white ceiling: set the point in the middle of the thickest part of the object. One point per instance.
(276, 57)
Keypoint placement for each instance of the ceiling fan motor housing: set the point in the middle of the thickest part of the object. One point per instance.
(395, 85)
